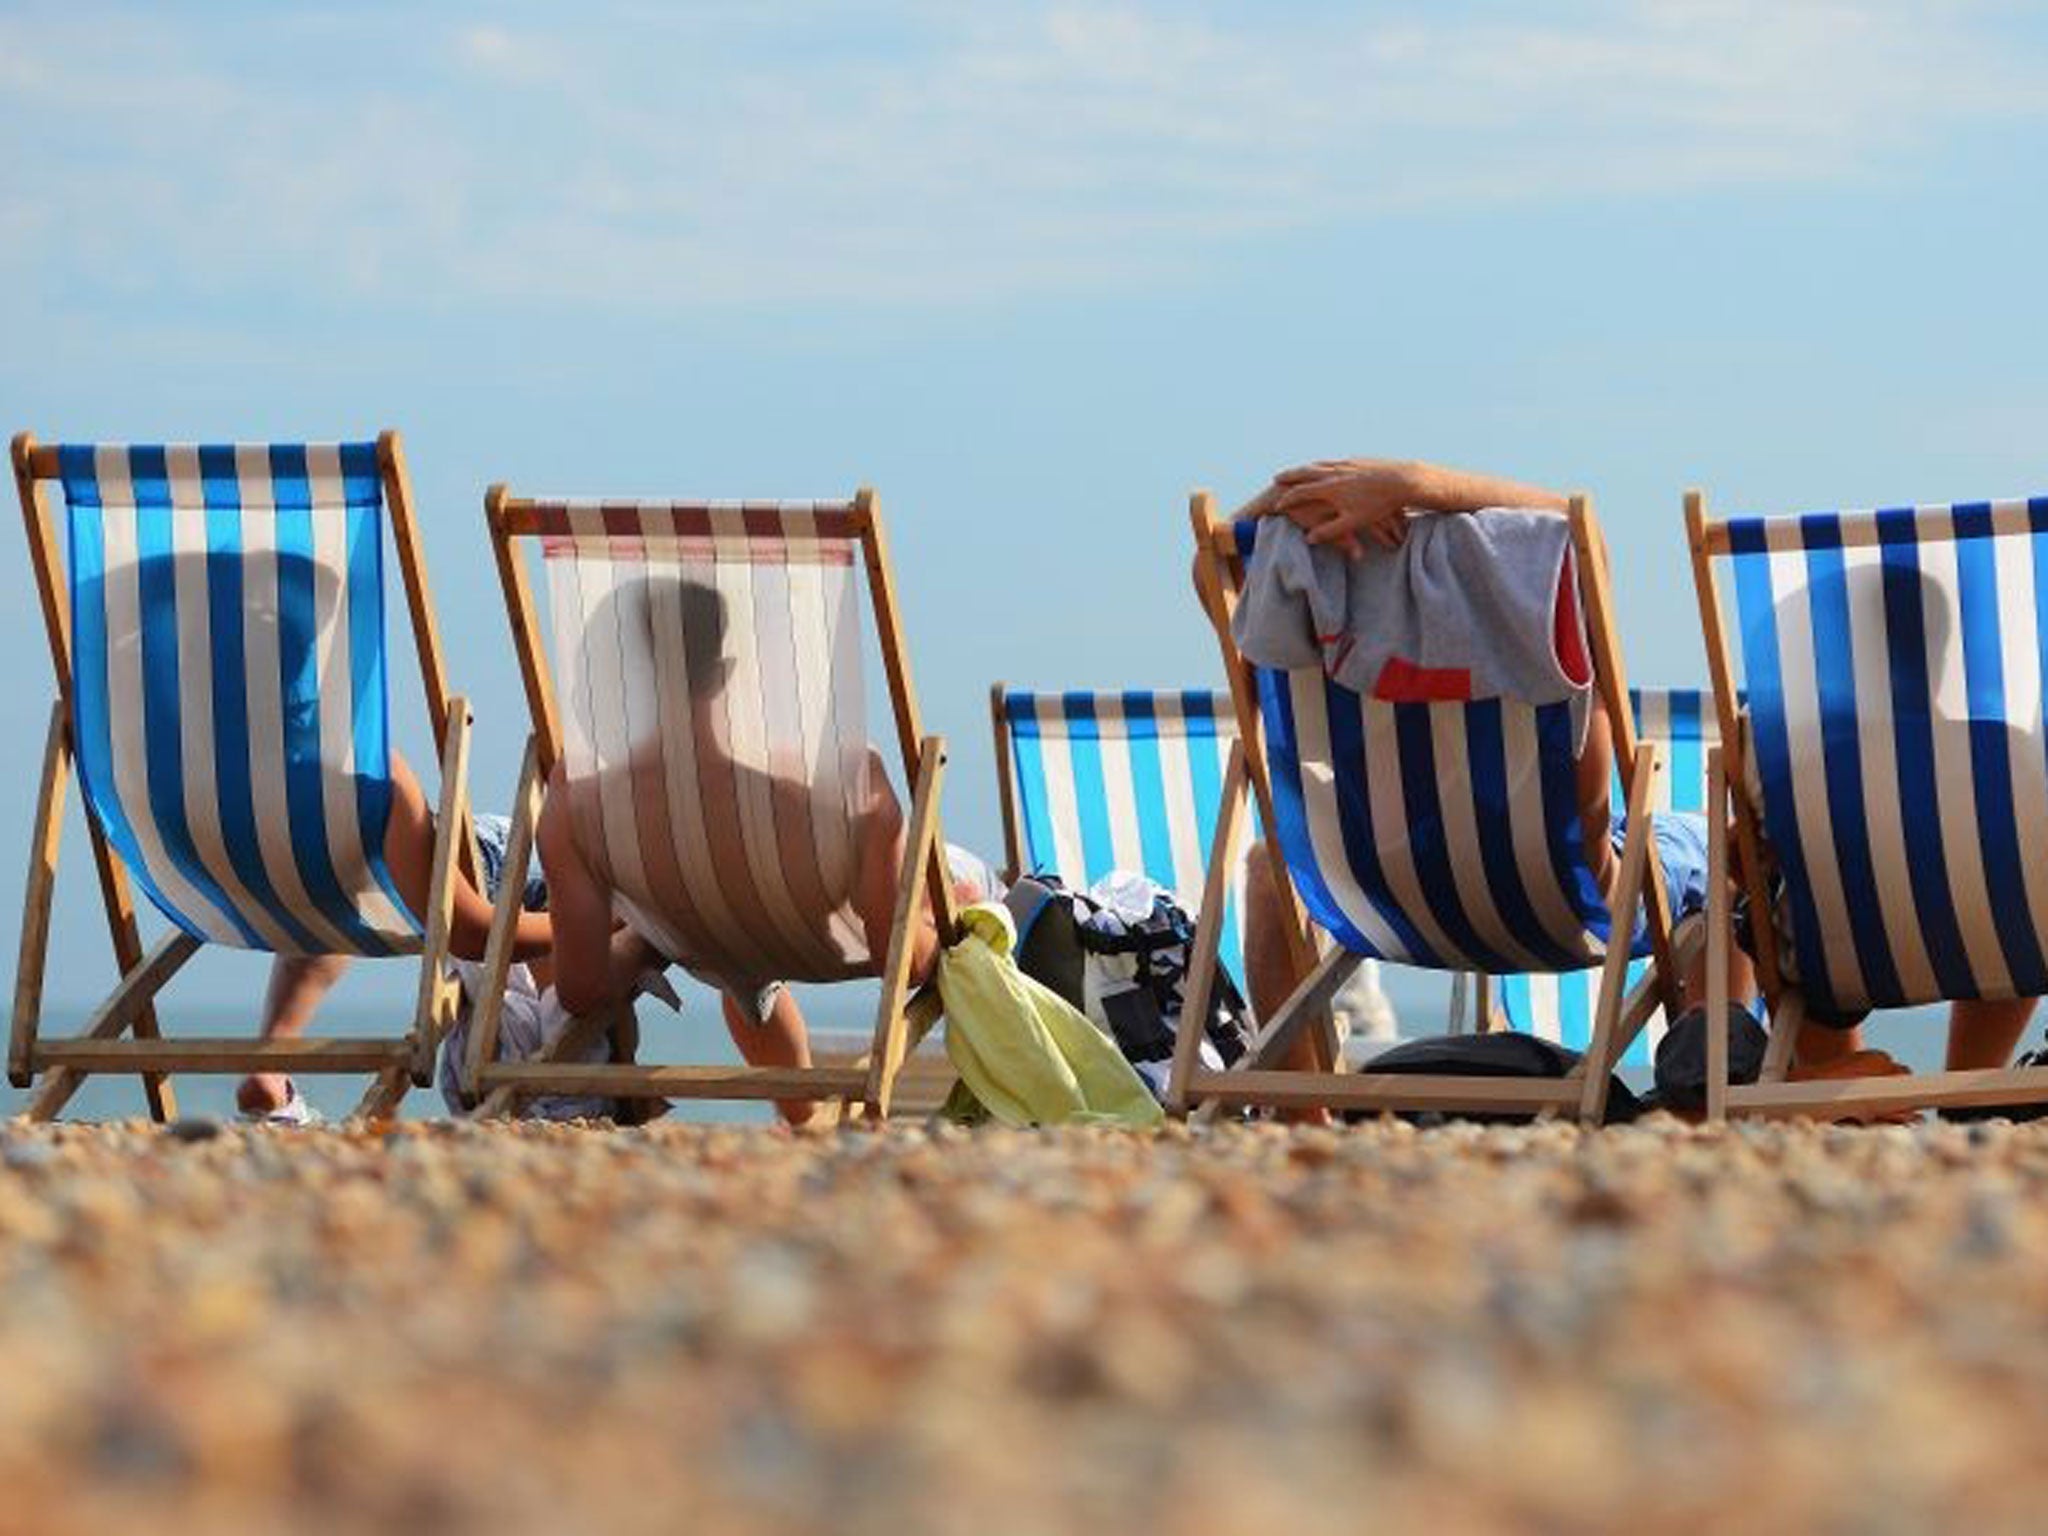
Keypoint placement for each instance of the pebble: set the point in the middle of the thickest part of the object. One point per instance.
(530, 1327)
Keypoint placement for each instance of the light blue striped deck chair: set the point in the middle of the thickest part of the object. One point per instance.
(1130, 780)
(1438, 835)
(1095, 782)
(1891, 748)
(218, 633)
(1680, 723)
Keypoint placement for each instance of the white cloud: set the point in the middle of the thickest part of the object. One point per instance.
(667, 161)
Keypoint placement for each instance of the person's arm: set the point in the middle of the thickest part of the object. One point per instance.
(409, 855)
(580, 907)
(1343, 501)
(469, 928)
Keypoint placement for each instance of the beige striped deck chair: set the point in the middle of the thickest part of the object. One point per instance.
(706, 702)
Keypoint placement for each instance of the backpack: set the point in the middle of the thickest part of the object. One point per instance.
(1126, 972)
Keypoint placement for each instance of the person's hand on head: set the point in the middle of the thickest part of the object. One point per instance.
(1344, 502)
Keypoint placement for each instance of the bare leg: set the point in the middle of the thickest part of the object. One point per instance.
(1692, 985)
(1267, 975)
(780, 1040)
(298, 984)
(1983, 1034)
(1820, 1046)
(580, 907)
(1265, 943)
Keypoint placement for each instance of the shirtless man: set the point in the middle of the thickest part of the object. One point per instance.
(760, 1014)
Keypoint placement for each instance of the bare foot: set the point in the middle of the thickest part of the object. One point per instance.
(262, 1093)
(1856, 1064)
(796, 1112)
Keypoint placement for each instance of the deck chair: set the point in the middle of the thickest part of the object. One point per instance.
(1681, 724)
(1095, 782)
(1440, 835)
(221, 685)
(737, 625)
(1893, 774)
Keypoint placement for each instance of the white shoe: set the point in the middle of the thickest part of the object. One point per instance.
(294, 1111)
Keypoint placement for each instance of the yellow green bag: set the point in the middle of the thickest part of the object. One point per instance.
(1027, 1054)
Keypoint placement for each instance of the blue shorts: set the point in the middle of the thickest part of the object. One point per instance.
(1681, 842)
(493, 839)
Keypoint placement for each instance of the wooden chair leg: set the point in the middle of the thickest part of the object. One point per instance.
(920, 849)
(1201, 976)
(1720, 926)
(1302, 1005)
(488, 1009)
(123, 1007)
(451, 832)
(1786, 1021)
(37, 898)
(60, 1083)
(1628, 901)
(576, 1037)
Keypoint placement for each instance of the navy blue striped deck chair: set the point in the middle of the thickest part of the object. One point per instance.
(1438, 835)
(1559, 1005)
(1893, 766)
(218, 635)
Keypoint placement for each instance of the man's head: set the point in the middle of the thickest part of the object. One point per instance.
(707, 666)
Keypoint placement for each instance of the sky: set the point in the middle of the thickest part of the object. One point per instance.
(1033, 271)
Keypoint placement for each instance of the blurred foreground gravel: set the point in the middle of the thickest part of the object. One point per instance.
(721, 1329)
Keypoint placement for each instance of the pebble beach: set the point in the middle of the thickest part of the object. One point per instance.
(524, 1328)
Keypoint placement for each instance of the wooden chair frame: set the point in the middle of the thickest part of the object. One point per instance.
(396, 1062)
(1257, 1080)
(901, 1020)
(1772, 1093)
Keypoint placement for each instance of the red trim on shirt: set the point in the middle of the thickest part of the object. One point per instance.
(1569, 636)
(1403, 682)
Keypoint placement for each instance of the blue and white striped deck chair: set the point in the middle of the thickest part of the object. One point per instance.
(1896, 771)
(218, 630)
(1132, 780)
(1439, 835)
(1559, 1006)
(1095, 782)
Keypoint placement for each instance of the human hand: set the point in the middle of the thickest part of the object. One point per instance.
(1344, 502)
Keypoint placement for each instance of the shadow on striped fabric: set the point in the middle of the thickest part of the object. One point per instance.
(230, 687)
(715, 736)
(1894, 661)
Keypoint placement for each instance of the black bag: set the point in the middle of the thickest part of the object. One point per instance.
(1139, 971)
(1499, 1053)
(1681, 1071)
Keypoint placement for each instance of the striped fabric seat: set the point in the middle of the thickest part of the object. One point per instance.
(229, 687)
(1894, 664)
(1680, 723)
(1440, 835)
(1121, 781)
(714, 727)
